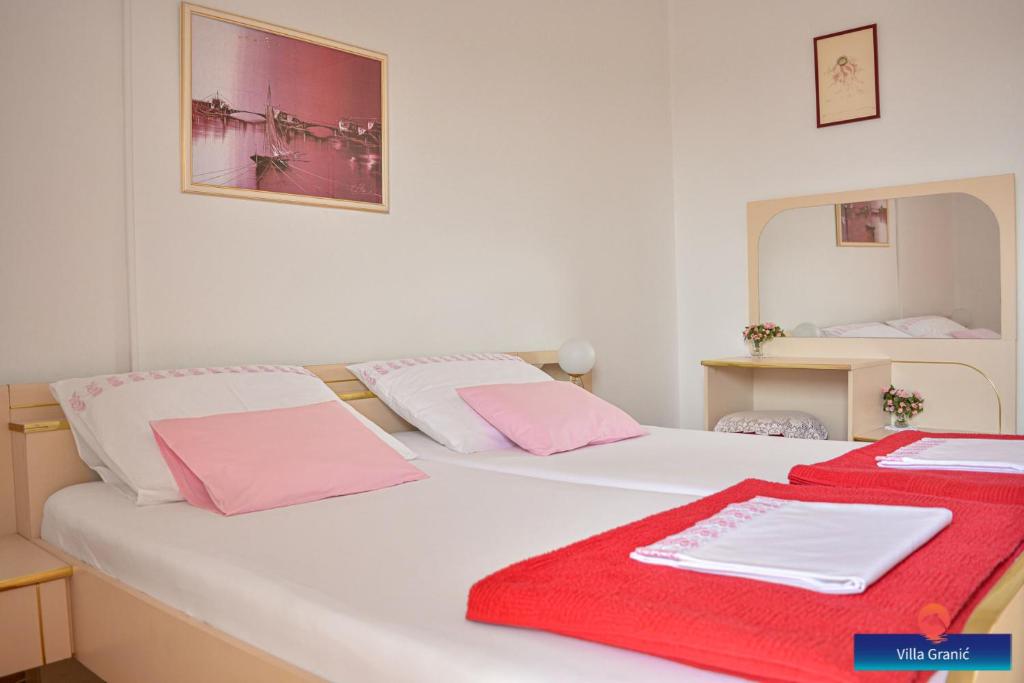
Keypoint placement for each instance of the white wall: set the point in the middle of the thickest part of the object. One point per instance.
(530, 185)
(952, 93)
(63, 296)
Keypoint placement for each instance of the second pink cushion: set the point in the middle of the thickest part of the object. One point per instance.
(242, 462)
(550, 417)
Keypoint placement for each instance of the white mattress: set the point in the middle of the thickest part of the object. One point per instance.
(369, 587)
(685, 461)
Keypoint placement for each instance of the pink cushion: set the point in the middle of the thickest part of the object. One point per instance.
(242, 462)
(550, 417)
(976, 333)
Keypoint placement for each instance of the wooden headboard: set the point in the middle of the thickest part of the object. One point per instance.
(29, 477)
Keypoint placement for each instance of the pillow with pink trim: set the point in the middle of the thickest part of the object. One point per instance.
(110, 416)
(234, 463)
(550, 417)
(975, 333)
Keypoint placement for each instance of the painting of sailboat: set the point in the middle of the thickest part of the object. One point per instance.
(272, 113)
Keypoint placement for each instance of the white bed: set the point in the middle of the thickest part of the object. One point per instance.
(369, 587)
(683, 461)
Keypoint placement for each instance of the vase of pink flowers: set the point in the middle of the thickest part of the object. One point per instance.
(760, 334)
(902, 405)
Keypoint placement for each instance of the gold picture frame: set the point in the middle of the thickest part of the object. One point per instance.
(356, 147)
(865, 224)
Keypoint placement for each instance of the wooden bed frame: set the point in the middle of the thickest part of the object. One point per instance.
(124, 636)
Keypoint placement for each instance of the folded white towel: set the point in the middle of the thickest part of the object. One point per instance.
(1003, 456)
(839, 548)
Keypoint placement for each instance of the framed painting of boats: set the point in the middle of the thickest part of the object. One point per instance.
(275, 114)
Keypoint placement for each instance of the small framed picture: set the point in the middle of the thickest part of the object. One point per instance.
(865, 224)
(846, 76)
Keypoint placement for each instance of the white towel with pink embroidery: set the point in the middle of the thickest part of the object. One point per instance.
(1002, 456)
(837, 548)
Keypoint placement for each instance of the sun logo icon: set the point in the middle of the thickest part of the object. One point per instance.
(933, 621)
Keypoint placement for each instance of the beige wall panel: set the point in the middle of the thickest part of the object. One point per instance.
(53, 608)
(967, 395)
(956, 396)
(20, 646)
(44, 462)
(866, 398)
(8, 522)
(31, 395)
(149, 641)
(726, 390)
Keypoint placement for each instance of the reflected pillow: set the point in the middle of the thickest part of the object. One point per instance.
(550, 417)
(976, 333)
(873, 329)
(927, 326)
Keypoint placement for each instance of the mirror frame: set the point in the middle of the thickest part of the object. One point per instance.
(997, 192)
(950, 368)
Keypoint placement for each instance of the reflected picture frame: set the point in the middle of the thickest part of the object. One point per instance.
(865, 224)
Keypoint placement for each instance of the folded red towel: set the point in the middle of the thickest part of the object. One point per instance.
(592, 590)
(858, 469)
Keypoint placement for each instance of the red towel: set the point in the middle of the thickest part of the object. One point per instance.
(592, 590)
(857, 469)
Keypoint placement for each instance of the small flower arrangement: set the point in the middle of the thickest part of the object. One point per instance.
(902, 404)
(760, 334)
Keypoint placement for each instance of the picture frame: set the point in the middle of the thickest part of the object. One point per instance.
(846, 76)
(275, 114)
(865, 224)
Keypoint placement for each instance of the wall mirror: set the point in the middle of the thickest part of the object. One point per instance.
(908, 267)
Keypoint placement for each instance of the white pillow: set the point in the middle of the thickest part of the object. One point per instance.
(422, 390)
(863, 330)
(926, 326)
(110, 415)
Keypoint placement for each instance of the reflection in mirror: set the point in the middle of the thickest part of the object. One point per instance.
(932, 271)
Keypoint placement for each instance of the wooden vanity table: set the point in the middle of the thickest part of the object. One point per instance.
(844, 393)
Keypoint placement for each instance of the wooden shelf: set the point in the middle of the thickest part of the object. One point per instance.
(841, 392)
(23, 563)
(795, 363)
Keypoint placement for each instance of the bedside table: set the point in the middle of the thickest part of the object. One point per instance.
(36, 625)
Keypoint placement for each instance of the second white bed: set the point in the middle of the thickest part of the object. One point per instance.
(683, 461)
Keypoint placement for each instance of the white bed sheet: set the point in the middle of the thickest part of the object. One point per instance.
(684, 461)
(369, 587)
